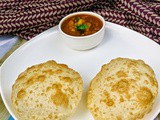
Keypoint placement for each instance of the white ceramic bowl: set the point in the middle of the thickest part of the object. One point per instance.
(83, 42)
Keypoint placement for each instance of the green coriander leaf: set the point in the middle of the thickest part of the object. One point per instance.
(77, 19)
(82, 27)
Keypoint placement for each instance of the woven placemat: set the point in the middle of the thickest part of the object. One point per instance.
(4, 114)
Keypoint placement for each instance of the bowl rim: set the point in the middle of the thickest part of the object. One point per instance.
(82, 12)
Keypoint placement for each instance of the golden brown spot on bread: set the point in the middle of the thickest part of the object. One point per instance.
(107, 95)
(40, 104)
(140, 116)
(156, 84)
(21, 94)
(55, 116)
(50, 62)
(26, 104)
(41, 78)
(42, 94)
(66, 79)
(121, 86)
(30, 81)
(109, 78)
(119, 118)
(146, 82)
(95, 115)
(48, 88)
(33, 117)
(107, 69)
(56, 86)
(31, 68)
(90, 97)
(151, 79)
(136, 74)
(149, 69)
(50, 116)
(71, 91)
(70, 106)
(60, 99)
(121, 74)
(63, 65)
(127, 95)
(16, 102)
(132, 63)
(96, 109)
(31, 92)
(50, 72)
(107, 100)
(121, 99)
(18, 110)
(59, 71)
(103, 66)
(21, 77)
(144, 96)
(130, 113)
(110, 102)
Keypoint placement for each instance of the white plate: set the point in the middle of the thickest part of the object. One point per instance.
(118, 42)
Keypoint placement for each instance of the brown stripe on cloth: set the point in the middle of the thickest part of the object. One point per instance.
(28, 18)
(130, 21)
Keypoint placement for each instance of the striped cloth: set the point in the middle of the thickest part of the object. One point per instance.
(27, 18)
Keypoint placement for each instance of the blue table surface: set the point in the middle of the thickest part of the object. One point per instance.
(6, 43)
(10, 118)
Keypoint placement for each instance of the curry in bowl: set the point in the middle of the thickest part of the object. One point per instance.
(81, 25)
